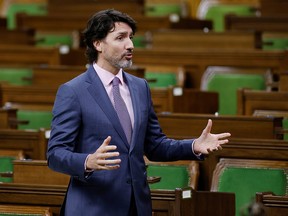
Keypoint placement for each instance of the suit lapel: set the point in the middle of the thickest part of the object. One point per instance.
(98, 92)
(137, 115)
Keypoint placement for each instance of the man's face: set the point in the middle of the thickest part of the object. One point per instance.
(115, 51)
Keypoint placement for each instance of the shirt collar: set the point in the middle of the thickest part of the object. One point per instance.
(105, 76)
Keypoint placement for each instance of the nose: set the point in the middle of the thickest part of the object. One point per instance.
(130, 44)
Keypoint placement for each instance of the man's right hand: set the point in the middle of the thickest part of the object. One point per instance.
(99, 160)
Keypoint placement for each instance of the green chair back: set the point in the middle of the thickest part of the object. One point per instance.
(245, 182)
(217, 14)
(37, 119)
(16, 76)
(139, 41)
(172, 176)
(227, 85)
(50, 39)
(28, 8)
(160, 10)
(160, 79)
(6, 165)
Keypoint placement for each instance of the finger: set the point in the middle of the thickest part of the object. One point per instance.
(222, 142)
(111, 167)
(110, 154)
(223, 135)
(106, 141)
(113, 162)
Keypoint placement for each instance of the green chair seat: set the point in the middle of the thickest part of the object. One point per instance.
(6, 165)
(37, 119)
(161, 79)
(16, 76)
(227, 85)
(172, 176)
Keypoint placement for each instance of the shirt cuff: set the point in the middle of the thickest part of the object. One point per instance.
(197, 155)
(85, 165)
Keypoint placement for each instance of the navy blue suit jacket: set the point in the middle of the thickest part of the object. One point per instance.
(83, 117)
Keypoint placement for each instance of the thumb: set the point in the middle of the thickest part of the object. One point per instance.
(208, 127)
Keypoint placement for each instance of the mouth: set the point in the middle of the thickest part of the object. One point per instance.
(128, 56)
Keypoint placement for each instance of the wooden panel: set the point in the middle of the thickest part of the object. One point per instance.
(251, 100)
(8, 118)
(272, 204)
(33, 143)
(192, 39)
(28, 55)
(37, 172)
(260, 23)
(28, 97)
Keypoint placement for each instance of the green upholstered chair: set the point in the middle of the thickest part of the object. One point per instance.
(16, 76)
(227, 81)
(246, 177)
(36, 119)
(172, 176)
(217, 13)
(29, 8)
(161, 10)
(175, 174)
(160, 79)
(6, 166)
(6, 163)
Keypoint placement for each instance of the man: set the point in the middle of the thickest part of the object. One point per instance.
(89, 142)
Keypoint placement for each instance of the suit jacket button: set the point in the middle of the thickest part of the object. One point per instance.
(128, 181)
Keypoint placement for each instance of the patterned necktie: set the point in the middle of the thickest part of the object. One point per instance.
(121, 109)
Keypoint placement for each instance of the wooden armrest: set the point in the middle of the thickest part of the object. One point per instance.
(6, 174)
(153, 179)
(15, 122)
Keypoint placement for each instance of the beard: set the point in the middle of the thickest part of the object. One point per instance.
(121, 62)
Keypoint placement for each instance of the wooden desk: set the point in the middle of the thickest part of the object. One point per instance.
(194, 39)
(191, 125)
(184, 100)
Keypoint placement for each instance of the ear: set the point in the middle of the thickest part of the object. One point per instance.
(97, 45)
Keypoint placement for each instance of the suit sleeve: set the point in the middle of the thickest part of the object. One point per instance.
(64, 130)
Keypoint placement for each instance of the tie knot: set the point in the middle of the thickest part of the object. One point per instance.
(115, 81)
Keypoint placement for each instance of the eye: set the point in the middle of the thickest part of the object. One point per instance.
(120, 38)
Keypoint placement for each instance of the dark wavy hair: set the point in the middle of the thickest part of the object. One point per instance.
(99, 25)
